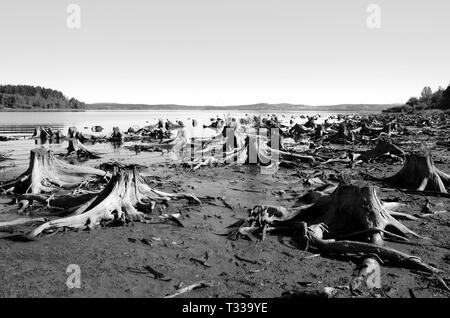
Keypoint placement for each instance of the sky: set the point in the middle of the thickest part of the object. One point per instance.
(227, 52)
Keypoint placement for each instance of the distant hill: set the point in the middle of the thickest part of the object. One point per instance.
(26, 97)
(36, 98)
(261, 107)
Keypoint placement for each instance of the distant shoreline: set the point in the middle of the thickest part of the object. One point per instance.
(264, 108)
(46, 110)
(178, 110)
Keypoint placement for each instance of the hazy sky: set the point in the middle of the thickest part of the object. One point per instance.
(220, 52)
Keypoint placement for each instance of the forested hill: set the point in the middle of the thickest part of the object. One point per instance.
(35, 98)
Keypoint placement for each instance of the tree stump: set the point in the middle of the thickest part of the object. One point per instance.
(320, 131)
(354, 211)
(46, 173)
(384, 146)
(126, 198)
(344, 134)
(310, 123)
(419, 173)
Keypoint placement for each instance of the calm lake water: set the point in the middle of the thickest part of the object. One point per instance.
(23, 123)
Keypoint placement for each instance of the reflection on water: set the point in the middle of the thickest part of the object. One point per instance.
(43, 141)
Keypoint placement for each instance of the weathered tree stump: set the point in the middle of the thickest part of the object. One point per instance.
(350, 211)
(126, 198)
(297, 130)
(320, 131)
(73, 133)
(48, 174)
(311, 123)
(76, 147)
(384, 146)
(344, 134)
(116, 135)
(419, 173)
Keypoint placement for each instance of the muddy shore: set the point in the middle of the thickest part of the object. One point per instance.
(113, 260)
(110, 258)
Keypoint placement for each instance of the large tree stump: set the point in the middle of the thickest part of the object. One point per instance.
(126, 198)
(352, 208)
(352, 211)
(419, 173)
(48, 174)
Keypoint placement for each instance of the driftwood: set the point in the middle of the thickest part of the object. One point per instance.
(48, 174)
(189, 288)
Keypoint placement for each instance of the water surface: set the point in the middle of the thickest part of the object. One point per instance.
(22, 124)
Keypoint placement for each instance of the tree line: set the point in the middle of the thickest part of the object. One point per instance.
(440, 99)
(35, 97)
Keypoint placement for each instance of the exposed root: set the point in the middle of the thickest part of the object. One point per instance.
(387, 255)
